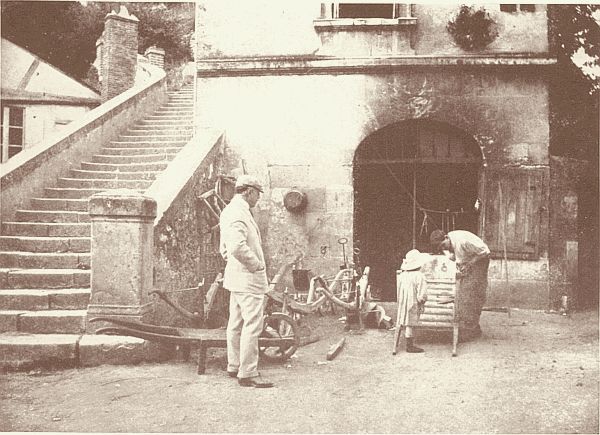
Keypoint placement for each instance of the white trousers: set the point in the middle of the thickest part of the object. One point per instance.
(243, 329)
(408, 331)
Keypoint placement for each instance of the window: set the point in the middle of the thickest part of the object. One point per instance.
(11, 131)
(386, 11)
(358, 10)
(514, 199)
(515, 8)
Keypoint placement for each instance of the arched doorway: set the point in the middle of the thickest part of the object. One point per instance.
(410, 178)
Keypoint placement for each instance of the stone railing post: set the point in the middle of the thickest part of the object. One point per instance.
(156, 56)
(122, 255)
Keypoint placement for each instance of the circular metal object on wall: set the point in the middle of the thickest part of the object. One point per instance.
(295, 201)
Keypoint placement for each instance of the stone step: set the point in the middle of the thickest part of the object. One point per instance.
(20, 351)
(44, 278)
(146, 149)
(173, 111)
(153, 158)
(70, 193)
(143, 144)
(124, 167)
(160, 122)
(54, 299)
(57, 216)
(45, 244)
(46, 229)
(176, 107)
(162, 129)
(59, 204)
(113, 175)
(43, 321)
(24, 352)
(170, 117)
(184, 103)
(159, 138)
(103, 183)
(44, 260)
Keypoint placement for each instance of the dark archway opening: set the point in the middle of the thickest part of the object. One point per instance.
(409, 179)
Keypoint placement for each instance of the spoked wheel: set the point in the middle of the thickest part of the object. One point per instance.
(279, 325)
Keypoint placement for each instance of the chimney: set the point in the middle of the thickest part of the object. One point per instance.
(119, 53)
(156, 56)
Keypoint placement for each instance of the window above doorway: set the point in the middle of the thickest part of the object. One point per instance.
(517, 7)
(337, 15)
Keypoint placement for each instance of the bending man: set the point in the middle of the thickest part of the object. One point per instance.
(472, 258)
(246, 279)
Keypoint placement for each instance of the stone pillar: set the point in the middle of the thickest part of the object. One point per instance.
(156, 56)
(122, 255)
(119, 51)
(563, 241)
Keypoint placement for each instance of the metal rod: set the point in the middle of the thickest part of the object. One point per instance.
(503, 220)
(414, 208)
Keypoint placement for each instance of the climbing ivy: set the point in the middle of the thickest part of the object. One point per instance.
(472, 29)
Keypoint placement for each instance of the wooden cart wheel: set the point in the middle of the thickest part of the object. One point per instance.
(279, 325)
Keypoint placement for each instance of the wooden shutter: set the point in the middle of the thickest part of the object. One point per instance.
(518, 217)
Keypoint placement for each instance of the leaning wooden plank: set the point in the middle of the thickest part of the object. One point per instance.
(335, 349)
(309, 340)
(454, 339)
(397, 335)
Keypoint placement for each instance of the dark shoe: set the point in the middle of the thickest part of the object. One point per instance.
(256, 382)
(232, 374)
(410, 348)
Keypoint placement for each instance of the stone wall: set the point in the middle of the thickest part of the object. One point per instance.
(185, 248)
(46, 120)
(302, 131)
(566, 175)
(288, 29)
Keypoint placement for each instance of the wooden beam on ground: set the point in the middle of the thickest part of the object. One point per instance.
(496, 309)
(335, 349)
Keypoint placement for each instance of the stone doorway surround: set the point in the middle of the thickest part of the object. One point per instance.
(411, 178)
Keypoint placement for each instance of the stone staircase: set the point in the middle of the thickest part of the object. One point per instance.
(45, 252)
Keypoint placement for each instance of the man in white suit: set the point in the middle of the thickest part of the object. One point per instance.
(246, 280)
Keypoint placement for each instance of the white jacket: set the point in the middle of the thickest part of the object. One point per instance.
(241, 248)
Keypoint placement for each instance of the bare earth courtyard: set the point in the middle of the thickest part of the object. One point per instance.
(529, 373)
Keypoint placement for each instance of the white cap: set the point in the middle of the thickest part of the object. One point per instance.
(248, 181)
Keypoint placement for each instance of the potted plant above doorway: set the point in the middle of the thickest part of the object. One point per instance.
(472, 29)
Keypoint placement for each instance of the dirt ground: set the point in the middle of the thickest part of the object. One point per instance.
(530, 373)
